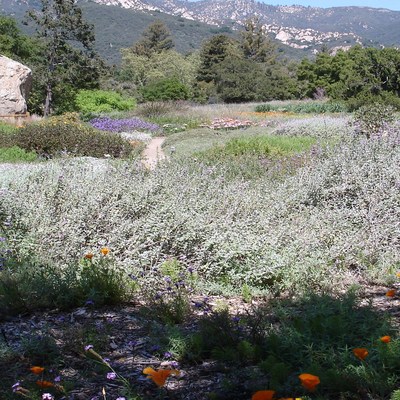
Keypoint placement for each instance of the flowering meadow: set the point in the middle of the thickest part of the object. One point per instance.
(269, 269)
(118, 125)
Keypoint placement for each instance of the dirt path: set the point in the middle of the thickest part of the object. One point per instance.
(153, 153)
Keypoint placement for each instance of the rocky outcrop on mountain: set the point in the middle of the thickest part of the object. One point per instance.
(299, 27)
(15, 84)
(298, 31)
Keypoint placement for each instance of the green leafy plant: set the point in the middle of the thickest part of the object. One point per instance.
(16, 154)
(395, 395)
(102, 101)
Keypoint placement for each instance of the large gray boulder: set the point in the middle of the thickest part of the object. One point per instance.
(15, 84)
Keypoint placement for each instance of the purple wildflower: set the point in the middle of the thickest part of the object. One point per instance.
(16, 387)
(111, 375)
(57, 378)
(167, 354)
(88, 347)
(123, 125)
(47, 396)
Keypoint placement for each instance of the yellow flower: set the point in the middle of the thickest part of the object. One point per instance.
(309, 381)
(37, 370)
(385, 339)
(104, 251)
(263, 395)
(159, 377)
(398, 274)
(360, 352)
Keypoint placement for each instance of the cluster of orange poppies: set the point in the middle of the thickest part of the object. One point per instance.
(160, 376)
(104, 251)
(361, 352)
(308, 381)
(41, 383)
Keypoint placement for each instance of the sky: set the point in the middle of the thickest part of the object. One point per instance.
(390, 4)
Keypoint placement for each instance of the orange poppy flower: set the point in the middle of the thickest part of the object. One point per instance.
(263, 395)
(309, 381)
(44, 384)
(385, 339)
(360, 352)
(159, 377)
(104, 251)
(390, 293)
(89, 256)
(37, 370)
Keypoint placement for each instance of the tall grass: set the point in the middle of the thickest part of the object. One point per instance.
(270, 146)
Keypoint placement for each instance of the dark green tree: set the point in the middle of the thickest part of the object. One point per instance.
(156, 38)
(359, 76)
(13, 43)
(255, 44)
(69, 61)
(238, 80)
(212, 53)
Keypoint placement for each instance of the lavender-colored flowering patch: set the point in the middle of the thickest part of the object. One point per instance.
(123, 125)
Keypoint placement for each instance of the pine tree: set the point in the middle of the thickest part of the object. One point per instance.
(156, 38)
(69, 61)
(255, 44)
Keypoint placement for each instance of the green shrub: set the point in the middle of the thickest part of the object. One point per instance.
(16, 154)
(102, 101)
(66, 135)
(101, 282)
(167, 89)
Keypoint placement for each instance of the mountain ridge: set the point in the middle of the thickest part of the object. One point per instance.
(304, 29)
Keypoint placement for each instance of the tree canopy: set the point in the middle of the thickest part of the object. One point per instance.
(68, 61)
(155, 39)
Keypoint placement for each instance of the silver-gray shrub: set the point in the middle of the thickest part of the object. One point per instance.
(318, 126)
(333, 221)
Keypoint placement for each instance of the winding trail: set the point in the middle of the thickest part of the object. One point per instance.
(153, 153)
